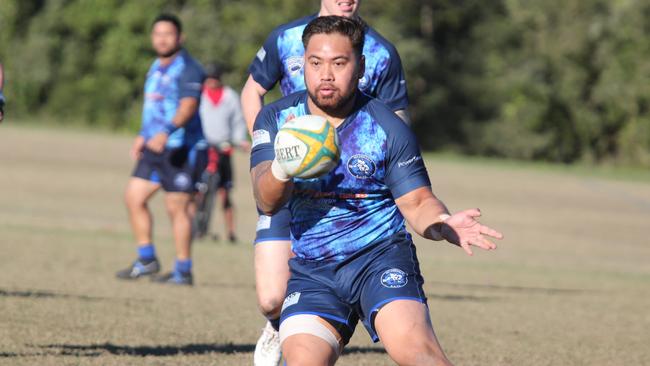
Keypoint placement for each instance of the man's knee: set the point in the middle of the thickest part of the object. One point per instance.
(177, 204)
(420, 354)
(306, 340)
(133, 200)
(270, 303)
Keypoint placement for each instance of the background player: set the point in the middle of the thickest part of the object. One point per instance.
(170, 152)
(354, 257)
(224, 128)
(281, 59)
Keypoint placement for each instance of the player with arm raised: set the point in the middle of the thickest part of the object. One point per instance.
(281, 60)
(354, 258)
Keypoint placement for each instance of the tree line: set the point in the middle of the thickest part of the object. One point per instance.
(557, 80)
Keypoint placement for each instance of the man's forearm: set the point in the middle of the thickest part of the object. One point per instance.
(270, 193)
(252, 100)
(433, 212)
(186, 110)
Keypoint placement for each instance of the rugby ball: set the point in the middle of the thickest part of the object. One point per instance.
(307, 147)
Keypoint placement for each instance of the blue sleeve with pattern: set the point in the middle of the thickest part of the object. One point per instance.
(405, 170)
(190, 84)
(391, 88)
(264, 131)
(266, 67)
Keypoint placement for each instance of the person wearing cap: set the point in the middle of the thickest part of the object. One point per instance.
(224, 128)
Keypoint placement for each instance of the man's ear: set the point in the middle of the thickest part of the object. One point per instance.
(362, 66)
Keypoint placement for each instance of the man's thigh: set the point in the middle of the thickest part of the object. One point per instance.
(405, 329)
(139, 190)
(272, 269)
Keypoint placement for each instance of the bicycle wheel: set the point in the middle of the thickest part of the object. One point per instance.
(205, 204)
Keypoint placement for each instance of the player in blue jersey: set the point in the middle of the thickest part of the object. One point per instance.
(169, 152)
(281, 60)
(354, 258)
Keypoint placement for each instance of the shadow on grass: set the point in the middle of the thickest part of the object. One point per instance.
(547, 290)
(431, 296)
(96, 350)
(48, 294)
(93, 350)
(44, 294)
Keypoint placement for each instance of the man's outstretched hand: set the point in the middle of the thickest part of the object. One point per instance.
(463, 229)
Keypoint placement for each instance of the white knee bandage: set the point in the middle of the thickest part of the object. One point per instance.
(308, 324)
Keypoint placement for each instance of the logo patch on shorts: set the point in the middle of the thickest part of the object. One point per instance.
(263, 223)
(361, 166)
(292, 299)
(394, 278)
(182, 180)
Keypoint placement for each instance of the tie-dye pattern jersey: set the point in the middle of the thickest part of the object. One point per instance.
(164, 87)
(353, 206)
(281, 59)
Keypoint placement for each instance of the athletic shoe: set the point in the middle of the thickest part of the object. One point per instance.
(232, 238)
(267, 350)
(174, 278)
(139, 269)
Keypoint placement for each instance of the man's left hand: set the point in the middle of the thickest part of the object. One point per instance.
(463, 229)
(158, 142)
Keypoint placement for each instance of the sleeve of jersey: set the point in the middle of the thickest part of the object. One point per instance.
(264, 131)
(191, 82)
(405, 169)
(391, 88)
(266, 68)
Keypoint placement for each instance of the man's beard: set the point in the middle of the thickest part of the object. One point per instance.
(333, 104)
(169, 53)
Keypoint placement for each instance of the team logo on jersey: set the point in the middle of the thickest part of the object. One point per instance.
(361, 166)
(294, 64)
(182, 180)
(292, 299)
(394, 278)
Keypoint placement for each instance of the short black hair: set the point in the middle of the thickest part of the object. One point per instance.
(214, 70)
(164, 17)
(353, 28)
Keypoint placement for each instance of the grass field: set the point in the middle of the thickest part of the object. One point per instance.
(570, 284)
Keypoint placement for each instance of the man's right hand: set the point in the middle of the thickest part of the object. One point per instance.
(136, 149)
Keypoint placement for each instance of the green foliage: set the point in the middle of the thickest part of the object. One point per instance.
(559, 80)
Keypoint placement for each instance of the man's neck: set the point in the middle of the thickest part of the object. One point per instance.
(337, 117)
(323, 13)
(164, 61)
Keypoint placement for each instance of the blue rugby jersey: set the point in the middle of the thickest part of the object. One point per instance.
(164, 87)
(352, 206)
(281, 58)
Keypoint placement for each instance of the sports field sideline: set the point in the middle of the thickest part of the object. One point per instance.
(570, 284)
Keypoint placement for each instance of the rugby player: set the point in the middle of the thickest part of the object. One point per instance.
(281, 60)
(169, 152)
(354, 259)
